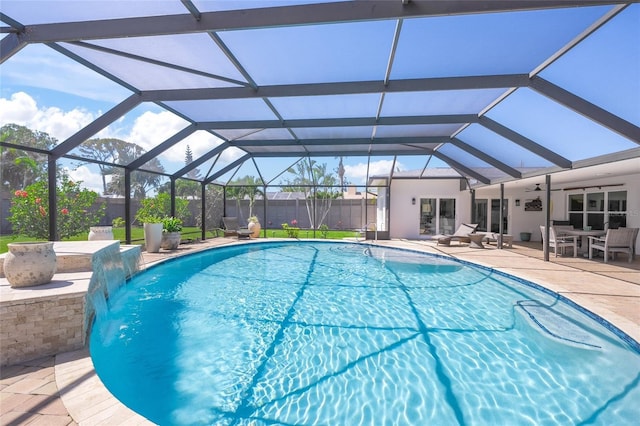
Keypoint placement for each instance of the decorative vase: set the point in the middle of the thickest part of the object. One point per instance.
(97, 233)
(170, 240)
(29, 263)
(152, 237)
(254, 228)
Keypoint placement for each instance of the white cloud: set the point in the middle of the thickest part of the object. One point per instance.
(148, 130)
(151, 128)
(22, 109)
(19, 109)
(90, 180)
(357, 173)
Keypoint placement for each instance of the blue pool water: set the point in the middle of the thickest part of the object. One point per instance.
(315, 333)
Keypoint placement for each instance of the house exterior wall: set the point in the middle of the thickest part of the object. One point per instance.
(529, 221)
(404, 217)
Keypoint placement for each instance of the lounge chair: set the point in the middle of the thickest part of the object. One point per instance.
(615, 241)
(232, 228)
(461, 235)
(560, 242)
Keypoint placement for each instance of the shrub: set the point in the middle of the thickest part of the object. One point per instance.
(171, 224)
(30, 210)
(118, 222)
(150, 211)
(292, 232)
(153, 210)
(324, 230)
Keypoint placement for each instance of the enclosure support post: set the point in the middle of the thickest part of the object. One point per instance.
(127, 205)
(547, 220)
(53, 198)
(501, 227)
(264, 211)
(173, 196)
(203, 210)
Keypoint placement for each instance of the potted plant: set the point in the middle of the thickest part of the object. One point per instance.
(152, 231)
(254, 226)
(171, 227)
(150, 215)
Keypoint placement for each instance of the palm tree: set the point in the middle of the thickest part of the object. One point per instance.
(246, 187)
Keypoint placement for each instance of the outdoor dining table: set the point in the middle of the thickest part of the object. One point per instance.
(584, 237)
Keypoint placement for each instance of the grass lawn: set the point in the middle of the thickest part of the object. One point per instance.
(137, 235)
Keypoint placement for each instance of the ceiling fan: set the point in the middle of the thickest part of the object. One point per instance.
(538, 189)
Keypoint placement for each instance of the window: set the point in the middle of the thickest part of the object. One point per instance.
(595, 210)
(576, 210)
(617, 207)
(480, 214)
(495, 216)
(599, 210)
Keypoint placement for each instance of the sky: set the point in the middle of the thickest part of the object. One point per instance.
(46, 91)
(42, 99)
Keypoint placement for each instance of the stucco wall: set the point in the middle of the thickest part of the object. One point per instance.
(404, 217)
(527, 221)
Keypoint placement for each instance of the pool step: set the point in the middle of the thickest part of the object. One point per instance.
(556, 325)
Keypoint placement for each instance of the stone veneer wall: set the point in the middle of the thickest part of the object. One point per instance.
(38, 327)
(42, 325)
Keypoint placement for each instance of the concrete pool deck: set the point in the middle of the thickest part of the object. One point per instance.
(64, 389)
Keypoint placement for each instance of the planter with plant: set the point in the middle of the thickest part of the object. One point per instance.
(171, 228)
(254, 226)
(150, 216)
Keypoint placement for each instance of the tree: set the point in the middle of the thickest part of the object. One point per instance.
(308, 176)
(246, 187)
(141, 181)
(106, 151)
(188, 159)
(185, 187)
(340, 170)
(214, 201)
(21, 168)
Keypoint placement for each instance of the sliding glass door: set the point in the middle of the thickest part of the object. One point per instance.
(437, 216)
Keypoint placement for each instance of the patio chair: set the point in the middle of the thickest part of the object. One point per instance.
(231, 226)
(634, 237)
(615, 241)
(461, 235)
(560, 242)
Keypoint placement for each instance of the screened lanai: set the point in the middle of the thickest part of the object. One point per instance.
(496, 91)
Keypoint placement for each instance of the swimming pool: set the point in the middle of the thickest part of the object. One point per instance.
(348, 334)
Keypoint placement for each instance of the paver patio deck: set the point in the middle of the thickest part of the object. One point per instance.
(64, 389)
